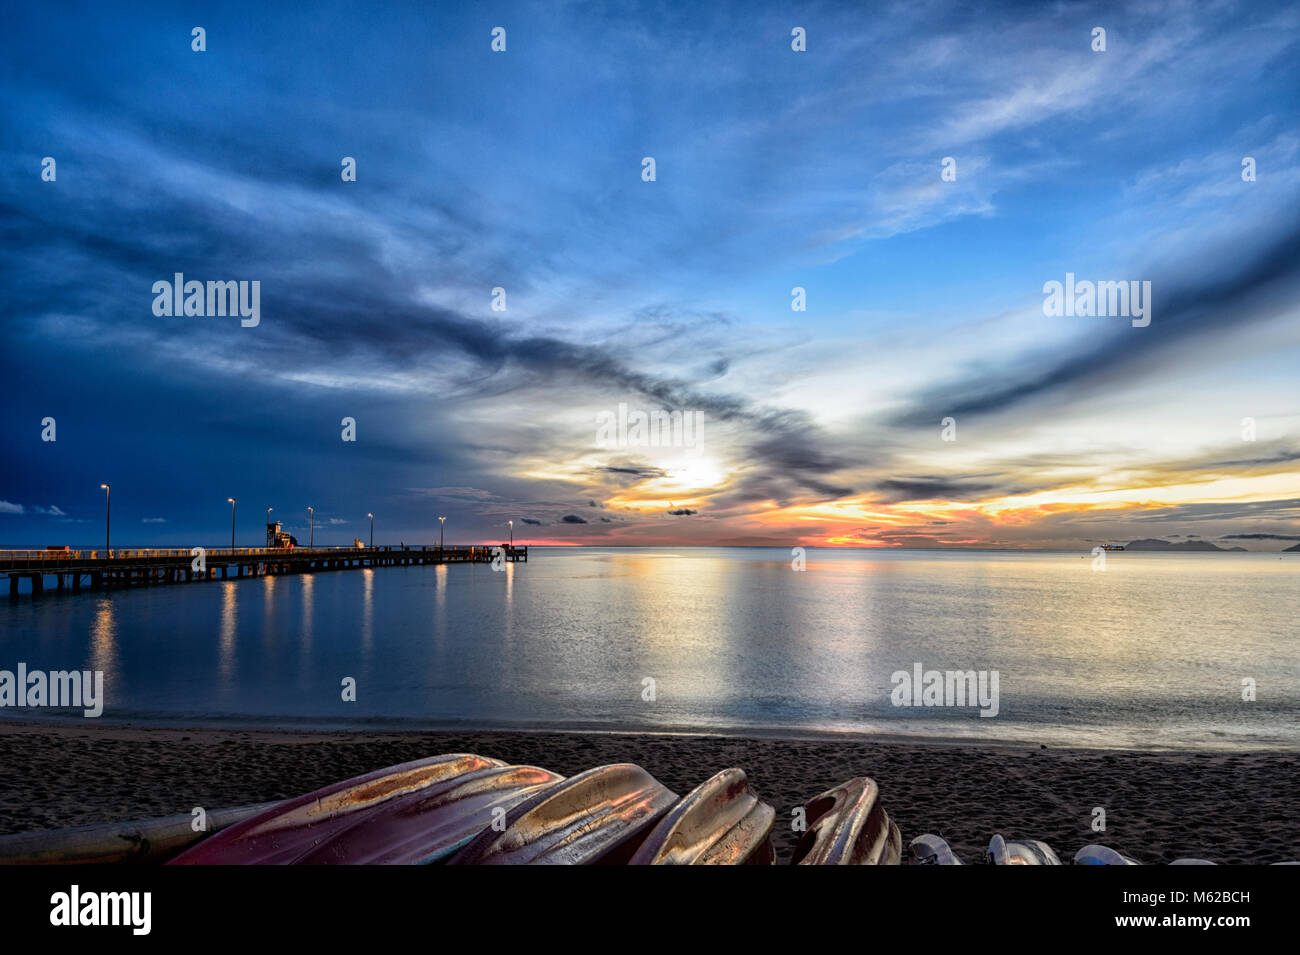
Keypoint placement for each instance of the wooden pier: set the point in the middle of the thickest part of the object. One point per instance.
(75, 571)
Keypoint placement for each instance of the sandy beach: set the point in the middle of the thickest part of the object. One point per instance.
(1226, 807)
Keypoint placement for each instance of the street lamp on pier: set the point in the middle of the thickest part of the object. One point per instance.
(512, 534)
(372, 530)
(441, 523)
(311, 533)
(232, 523)
(108, 516)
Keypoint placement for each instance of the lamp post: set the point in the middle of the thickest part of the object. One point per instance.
(108, 516)
(441, 523)
(372, 530)
(512, 534)
(311, 533)
(268, 527)
(232, 523)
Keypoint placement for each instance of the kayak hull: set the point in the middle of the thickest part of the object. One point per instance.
(417, 812)
(720, 822)
(597, 817)
(848, 826)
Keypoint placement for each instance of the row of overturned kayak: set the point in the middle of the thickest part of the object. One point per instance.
(464, 809)
(470, 810)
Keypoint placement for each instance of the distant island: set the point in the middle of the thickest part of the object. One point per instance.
(1294, 548)
(1156, 544)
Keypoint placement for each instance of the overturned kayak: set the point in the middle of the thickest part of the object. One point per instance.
(1102, 855)
(1028, 852)
(720, 822)
(848, 826)
(595, 817)
(413, 813)
(929, 849)
(140, 842)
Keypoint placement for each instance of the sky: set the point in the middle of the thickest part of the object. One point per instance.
(923, 397)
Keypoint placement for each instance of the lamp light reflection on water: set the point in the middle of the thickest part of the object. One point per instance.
(103, 638)
(440, 594)
(226, 644)
(308, 604)
(509, 626)
(367, 617)
(269, 584)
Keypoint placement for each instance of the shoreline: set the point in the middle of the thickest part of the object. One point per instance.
(1229, 807)
(384, 728)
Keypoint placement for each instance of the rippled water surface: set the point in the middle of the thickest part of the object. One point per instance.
(1151, 652)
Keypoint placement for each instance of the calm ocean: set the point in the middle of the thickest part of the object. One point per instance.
(1150, 653)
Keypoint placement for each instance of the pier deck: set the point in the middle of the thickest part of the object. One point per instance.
(96, 570)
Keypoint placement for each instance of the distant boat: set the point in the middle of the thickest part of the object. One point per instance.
(1112, 546)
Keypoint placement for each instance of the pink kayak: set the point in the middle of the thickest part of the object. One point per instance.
(414, 813)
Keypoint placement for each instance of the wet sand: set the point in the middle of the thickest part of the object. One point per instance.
(1225, 807)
